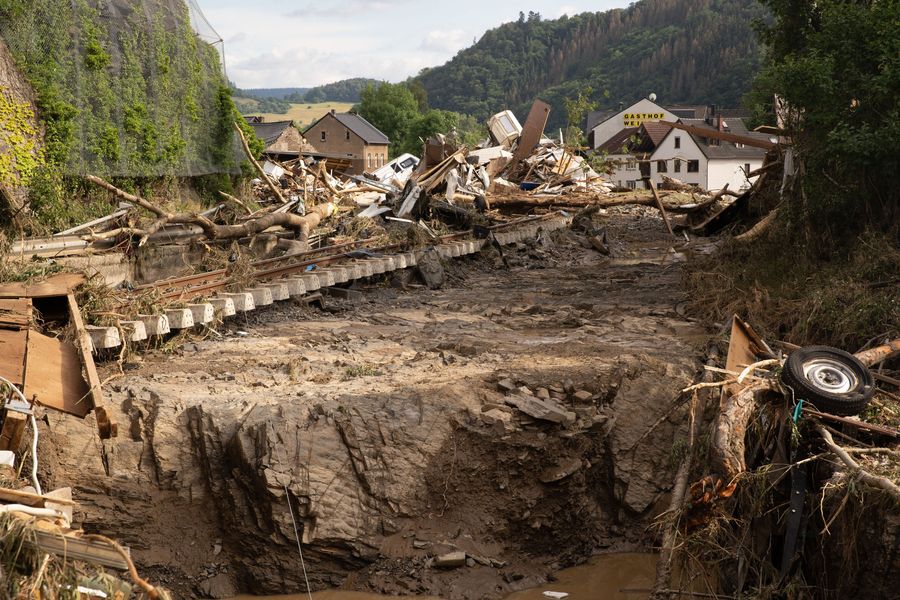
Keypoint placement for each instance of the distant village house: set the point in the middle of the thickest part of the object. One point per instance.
(640, 146)
(281, 138)
(350, 137)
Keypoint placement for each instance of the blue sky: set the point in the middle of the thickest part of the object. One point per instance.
(303, 43)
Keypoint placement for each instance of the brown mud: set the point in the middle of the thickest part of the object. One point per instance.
(383, 425)
(608, 576)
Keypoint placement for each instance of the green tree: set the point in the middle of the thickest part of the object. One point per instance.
(837, 66)
(420, 94)
(425, 126)
(576, 112)
(392, 108)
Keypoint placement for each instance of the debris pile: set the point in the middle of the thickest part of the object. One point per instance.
(43, 554)
(558, 404)
(775, 467)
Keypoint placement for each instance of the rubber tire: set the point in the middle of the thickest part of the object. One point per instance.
(844, 404)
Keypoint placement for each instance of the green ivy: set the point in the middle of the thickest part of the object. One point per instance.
(134, 99)
(132, 95)
(20, 156)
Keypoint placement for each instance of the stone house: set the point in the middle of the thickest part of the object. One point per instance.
(280, 137)
(350, 137)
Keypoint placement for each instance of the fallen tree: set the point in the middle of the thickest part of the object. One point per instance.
(300, 225)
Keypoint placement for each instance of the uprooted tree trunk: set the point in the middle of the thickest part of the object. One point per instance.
(301, 226)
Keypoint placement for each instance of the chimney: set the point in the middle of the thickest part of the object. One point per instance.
(720, 123)
(332, 111)
(711, 114)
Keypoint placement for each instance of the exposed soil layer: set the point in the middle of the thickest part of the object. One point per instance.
(387, 428)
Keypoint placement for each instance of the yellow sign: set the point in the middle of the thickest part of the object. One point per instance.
(635, 119)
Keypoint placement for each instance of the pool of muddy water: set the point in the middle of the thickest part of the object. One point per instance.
(606, 577)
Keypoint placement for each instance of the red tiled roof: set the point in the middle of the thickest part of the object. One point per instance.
(656, 131)
(615, 143)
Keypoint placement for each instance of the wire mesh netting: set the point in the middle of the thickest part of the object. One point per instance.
(131, 88)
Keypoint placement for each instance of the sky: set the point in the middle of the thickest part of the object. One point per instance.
(304, 43)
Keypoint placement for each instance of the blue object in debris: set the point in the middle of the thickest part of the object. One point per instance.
(527, 186)
(310, 268)
(797, 410)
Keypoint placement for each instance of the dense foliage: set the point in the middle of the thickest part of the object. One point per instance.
(120, 91)
(277, 93)
(348, 90)
(128, 94)
(837, 66)
(252, 105)
(686, 51)
(826, 271)
(396, 110)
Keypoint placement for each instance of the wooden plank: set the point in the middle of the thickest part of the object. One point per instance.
(70, 547)
(53, 376)
(744, 348)
(57, 285)
(29, 499)
(662, 209)
(531, 133)
(722, 135)
(15, 313)
(107, 428)
(14, 424)
(13, 344)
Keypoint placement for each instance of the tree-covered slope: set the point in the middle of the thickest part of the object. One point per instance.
(347, 90)
(685, 51)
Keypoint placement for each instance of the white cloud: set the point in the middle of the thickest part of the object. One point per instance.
(346, 8)
(286, 43)
(445, 42)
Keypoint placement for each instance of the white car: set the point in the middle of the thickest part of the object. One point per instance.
(397, 170)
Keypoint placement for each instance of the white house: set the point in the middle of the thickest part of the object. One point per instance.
(628, 153)
(642, 111)
(707, 162)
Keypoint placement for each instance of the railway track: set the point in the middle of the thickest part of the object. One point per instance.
(196, 300)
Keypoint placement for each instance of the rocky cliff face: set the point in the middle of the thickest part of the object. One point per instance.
(389, 434)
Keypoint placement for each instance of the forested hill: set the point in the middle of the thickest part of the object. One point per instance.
(347, 90)
(685, 51)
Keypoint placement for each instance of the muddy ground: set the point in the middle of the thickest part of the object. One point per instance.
(390, 426)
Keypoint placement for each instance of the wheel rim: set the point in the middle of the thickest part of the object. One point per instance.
(831, 376)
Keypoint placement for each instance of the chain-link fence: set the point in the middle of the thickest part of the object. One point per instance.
(131, 88)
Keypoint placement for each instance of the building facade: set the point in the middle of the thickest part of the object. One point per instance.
(281, 138)
(707, 162)
(646, 147)
(610, 124)
(350, 137)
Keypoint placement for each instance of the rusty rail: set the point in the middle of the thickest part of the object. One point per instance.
(204, 284)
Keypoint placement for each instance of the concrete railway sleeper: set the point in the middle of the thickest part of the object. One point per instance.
(203, 297)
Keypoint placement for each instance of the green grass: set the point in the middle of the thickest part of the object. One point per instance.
(302, 114)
